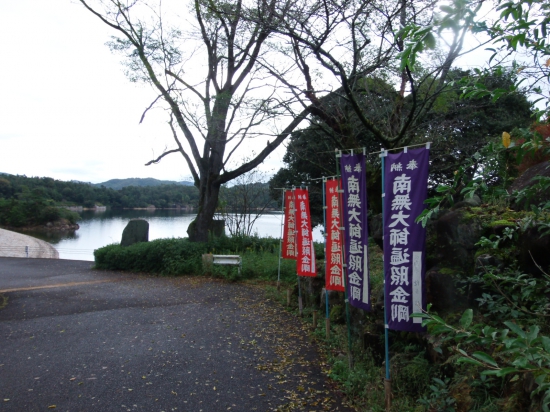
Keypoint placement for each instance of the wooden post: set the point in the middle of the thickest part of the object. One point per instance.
(387, 390)
(327, 326)
(288, 292)
(315, 319)
(278, 286)
(207, 263)
(300, 306)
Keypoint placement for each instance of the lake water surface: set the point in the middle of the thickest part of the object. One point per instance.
(99, 229)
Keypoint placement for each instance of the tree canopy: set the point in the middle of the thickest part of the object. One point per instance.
(515, 33)
(210, 77)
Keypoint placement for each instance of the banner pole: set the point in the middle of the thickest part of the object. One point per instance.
(327, 317)
(387, 381)
(281, 241)
(298, 276)
(300, 304)
(344, 265)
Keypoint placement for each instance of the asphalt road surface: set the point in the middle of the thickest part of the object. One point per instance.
(76, 339)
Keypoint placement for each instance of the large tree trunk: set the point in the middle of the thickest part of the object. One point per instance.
(200, 228)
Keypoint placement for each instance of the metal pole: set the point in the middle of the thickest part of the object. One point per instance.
(327, 317)
(281, 242)
(387, 381)
(344, 266)
(300, 305)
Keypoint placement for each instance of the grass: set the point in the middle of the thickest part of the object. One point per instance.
(3, 301)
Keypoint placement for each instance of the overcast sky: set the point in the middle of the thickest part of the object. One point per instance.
(67, 110)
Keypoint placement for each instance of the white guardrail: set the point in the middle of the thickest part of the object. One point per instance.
(41, 252)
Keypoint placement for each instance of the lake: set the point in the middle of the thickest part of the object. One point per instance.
(99, 229)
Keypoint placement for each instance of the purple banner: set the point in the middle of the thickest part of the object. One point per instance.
(356, 235)
(405, 190)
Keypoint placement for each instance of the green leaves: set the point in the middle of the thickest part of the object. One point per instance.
(466, 319)
(516, 329)
(485, 358)
(418, 40)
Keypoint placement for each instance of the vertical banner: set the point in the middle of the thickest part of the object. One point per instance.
(334, 272)
(289, 233)
(356, 236)
(305, 259)
(406, 187)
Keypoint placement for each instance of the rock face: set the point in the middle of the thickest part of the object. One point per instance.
(137, 230)
(441, 289)
(456, 239)
(526, 178)
(533, 251)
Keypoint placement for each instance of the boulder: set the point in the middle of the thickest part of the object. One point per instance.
(442, 290)
(456, 239)
(137, 230)
(533, 251)
(376, 230)
(526, 180)
(473, 201)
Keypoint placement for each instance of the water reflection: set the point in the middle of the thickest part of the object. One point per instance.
(99, 229)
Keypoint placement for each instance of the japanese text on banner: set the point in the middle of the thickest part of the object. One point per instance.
(334, 272)
(356, 236)
(289, 233)
(305, 260)
(406, 180)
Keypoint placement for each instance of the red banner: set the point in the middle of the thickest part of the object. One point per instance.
(334, 273)
(306, 253)
(289, 234)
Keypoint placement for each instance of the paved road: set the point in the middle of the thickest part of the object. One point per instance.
(75, 339)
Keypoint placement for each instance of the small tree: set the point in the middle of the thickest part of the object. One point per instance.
(244, 203)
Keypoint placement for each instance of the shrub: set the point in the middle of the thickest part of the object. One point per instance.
(182, 257)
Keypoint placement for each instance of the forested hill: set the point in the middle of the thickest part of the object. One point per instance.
(139, 182)
(57, 192)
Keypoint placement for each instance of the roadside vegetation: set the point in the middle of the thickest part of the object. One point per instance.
(487, 351)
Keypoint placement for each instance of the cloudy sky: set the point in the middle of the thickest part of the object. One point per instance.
(66, 109)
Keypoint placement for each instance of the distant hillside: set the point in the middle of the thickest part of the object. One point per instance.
(118, 184)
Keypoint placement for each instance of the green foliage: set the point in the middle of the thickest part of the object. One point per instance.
(75, 193)
(30, 209)
(495, 241)
(511, 294)
(410, 377)
(181, 257)
(439, 398)
(526, 196)
(513, 350)
(520, 26)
